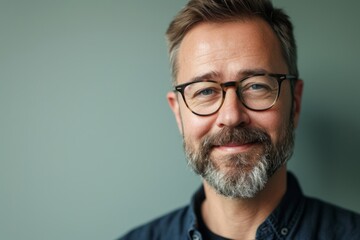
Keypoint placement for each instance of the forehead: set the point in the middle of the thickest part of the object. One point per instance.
(229, 48)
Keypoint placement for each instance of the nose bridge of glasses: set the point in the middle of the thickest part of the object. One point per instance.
(225, 86)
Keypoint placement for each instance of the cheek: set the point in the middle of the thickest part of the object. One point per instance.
(278, 118)
(275, 122)
(274, 125)
(196, 127)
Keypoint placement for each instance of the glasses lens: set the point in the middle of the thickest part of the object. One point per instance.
(259, 92)
(203, 97)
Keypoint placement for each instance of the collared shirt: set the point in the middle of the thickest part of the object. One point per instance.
(296, 217)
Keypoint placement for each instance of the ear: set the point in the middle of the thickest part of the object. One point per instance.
(174, 105)
(298, 89)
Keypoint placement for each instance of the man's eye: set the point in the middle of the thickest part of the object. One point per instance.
(206, 92)
(258, 87)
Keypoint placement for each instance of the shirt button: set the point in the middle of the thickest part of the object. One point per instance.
(195, 237)
(284, 231)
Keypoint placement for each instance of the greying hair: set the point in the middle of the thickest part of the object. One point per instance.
(218, 11)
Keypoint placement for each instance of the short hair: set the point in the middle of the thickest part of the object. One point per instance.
(197, 11)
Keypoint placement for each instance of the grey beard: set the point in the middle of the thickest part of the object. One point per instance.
(248, 172)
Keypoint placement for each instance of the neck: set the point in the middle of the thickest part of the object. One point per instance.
(225, 216)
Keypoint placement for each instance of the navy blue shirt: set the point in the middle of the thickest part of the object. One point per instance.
(296, 217)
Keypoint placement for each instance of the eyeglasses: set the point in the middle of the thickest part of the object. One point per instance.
(256, 92)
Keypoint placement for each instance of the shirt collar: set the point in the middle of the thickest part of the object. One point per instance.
(287, 214)
(195, 210)
(279, 223)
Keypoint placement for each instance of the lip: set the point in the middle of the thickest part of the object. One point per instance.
(235, 147)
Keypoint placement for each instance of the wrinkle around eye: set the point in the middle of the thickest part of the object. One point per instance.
(207, 93)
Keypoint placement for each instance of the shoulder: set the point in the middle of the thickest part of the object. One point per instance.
(322, 209)
(173, 225)
(329, 220)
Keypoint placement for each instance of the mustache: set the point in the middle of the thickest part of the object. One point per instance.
(238, 135)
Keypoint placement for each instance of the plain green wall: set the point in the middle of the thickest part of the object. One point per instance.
(88, 145)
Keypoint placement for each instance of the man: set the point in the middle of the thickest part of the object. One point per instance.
(237, 100)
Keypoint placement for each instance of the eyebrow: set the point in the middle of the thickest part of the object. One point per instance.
(213, 75)
(206, 76)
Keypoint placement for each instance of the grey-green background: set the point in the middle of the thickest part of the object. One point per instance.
(88, 145)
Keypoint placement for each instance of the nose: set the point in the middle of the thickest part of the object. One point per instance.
(232, 112)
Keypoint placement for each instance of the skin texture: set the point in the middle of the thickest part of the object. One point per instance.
(227, 52)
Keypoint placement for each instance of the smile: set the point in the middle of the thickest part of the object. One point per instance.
(235, 147)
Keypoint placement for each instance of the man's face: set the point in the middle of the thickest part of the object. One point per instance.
(236, 149)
